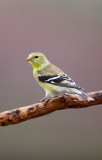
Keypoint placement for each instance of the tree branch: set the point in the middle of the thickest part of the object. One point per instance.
(40, 109)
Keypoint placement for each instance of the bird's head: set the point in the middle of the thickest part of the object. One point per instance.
(37, 60)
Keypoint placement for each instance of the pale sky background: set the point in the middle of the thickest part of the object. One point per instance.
(69, 32)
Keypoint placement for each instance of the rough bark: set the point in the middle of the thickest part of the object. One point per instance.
(40, 109)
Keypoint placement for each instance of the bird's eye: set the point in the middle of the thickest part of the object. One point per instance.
(36, 57)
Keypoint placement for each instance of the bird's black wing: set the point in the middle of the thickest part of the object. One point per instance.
(59, 80)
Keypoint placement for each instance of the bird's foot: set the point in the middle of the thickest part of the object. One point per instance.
(42, 100)
(45, 100)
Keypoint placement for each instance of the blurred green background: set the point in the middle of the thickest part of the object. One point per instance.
(69, 32)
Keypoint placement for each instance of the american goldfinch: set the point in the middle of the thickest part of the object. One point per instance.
(53, 80)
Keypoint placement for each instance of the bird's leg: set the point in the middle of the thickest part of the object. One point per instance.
(42, 100)
(45, 100)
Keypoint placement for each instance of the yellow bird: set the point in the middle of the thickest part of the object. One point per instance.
(53, 80)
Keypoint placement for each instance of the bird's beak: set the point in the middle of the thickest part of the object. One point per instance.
(29, 59)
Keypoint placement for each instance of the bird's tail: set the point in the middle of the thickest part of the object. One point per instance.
(85, 96)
